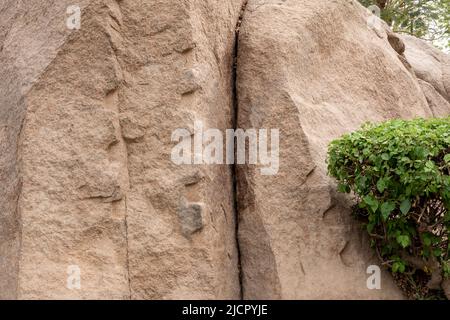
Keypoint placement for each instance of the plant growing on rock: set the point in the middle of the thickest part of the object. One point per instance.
(399, 173)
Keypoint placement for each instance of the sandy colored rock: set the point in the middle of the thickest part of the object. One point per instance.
(181, 221)
(88, 187)
(439, 106)
(90, 182)
(432, 68)
(30, 35)
(429, 64)
(315, 70)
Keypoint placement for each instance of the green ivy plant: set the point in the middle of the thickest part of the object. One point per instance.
(399, 173)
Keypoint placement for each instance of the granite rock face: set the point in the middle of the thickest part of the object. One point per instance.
(87, 180)
(92, 205)
(30, 37)
(432, 68)
(315, 70)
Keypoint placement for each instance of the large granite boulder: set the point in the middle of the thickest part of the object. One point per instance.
(87, 181)
(92, 205)
(313, 69)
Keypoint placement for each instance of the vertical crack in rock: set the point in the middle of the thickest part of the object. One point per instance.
(234, 123)
(115, 23)
(128, 246)
(17, 214)
(113, 102)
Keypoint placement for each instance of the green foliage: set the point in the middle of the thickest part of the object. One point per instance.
(426, 19)
(399, 173)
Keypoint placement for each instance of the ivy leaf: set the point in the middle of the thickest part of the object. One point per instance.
(385, 156)
(429, 165)
(386, 209)
(361, 182)
(447, 158)
(372, 203)
(403, 240)
(405, 206)
(398, 266)
(343, 188)
(381, 185)
(437, 252)
(370, 227)
(446, 269)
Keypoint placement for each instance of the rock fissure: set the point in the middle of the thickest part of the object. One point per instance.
(234, 123)
(128, 247)
(93, 168)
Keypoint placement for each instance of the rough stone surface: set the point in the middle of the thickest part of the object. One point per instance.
(30, 37)
(429, 64)
(438, 104)
(314, 70)
(90, 182)
(86, 122)
(432, 67)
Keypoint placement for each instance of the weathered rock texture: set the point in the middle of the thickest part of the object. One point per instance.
(30, 37)
(432, 68)
(315, 70)
(90, 181)
(86, 118)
